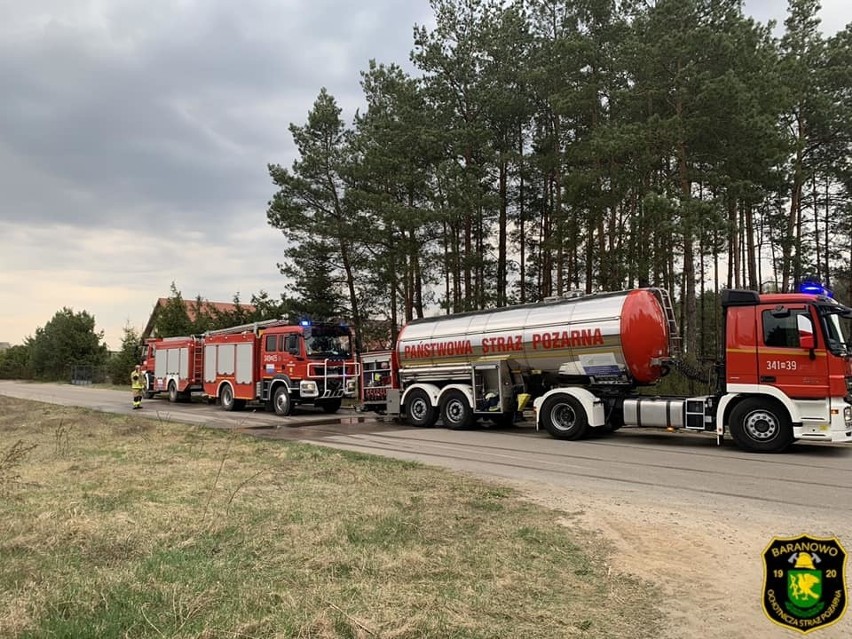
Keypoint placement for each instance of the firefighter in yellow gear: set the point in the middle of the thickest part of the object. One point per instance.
(137, 385)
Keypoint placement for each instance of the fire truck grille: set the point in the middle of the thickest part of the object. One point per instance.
(327, 370)
(333, 385)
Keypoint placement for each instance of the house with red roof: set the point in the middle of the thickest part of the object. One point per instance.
(193, 308)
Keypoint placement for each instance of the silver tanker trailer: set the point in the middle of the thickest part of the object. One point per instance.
(489, 364)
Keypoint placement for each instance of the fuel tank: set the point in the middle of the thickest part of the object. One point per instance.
(605, 336)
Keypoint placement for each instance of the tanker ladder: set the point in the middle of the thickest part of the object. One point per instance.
(675, 338)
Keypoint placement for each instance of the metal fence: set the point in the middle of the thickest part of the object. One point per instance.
(86, 374)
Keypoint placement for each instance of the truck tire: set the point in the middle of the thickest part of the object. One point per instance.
(281, 403)
(173, 392)
(419, 409)
(331, 406)
(564, 417)
(761, 426)
(456, 412)
(226, 397)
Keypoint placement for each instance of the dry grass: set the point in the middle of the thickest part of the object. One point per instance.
(116, 526)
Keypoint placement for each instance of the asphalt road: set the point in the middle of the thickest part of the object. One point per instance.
(685, 467)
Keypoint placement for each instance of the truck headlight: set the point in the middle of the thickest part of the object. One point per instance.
(308, 389)
(350, 386)
(847, 415)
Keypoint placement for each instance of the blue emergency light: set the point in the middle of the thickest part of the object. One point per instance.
(814, 288)
(305, 322)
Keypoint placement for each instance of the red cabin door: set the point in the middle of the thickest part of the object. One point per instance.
(791, 354)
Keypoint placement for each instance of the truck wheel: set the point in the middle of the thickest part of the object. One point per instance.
(281, 401)
(226, 396)
(331, 407)
(564, 417)
(759, 426)
(420, 410)
(456, 412)
(173, 393)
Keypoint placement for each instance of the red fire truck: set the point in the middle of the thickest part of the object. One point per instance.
(785, 373)
(173, 365)
(281, 365)
(274, 362)
(379, 374)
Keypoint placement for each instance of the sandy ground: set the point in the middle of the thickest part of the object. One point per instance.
(716, 594)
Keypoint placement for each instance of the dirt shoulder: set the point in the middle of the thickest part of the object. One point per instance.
(704, 558)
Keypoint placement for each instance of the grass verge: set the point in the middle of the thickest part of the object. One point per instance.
(118, 526)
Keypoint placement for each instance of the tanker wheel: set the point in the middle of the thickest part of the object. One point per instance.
(759, 426)
(420, 410)
(226, 397)
(456, 412)
(564, 417)
(281, 401)
(331, 406)
(173, 392)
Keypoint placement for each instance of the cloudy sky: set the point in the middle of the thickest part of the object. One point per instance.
(135, 134)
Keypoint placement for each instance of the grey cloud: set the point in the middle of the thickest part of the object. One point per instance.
(173, 117)
(135, 134)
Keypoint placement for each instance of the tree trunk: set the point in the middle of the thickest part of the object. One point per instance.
(793, 218)
(689, 337)
(545, 246)
(502, 221)
(558, 215)
(522, 240)
(417, 275)
(353, 297)
(393, 280)
(753, 283)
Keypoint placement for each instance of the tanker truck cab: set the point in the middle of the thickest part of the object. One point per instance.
(787, 370)
(785, 375)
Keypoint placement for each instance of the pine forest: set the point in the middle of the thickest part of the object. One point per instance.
(537, 147)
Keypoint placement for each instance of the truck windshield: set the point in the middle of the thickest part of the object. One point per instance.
(322, 345)
(838, 323)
